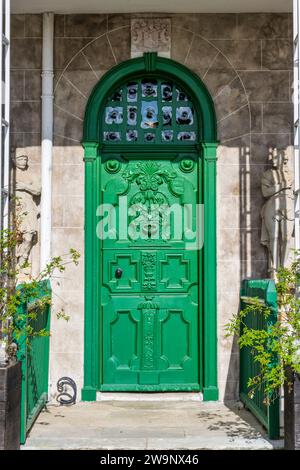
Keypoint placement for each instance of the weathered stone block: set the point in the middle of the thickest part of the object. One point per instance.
(219, 74)
(17, 82)
(255, 269)
(59, 26)
(242, 54)
(263, 144)
(69, 336)
(66, 155)
(66, 125)
(201, 54)
(68, 180)
(266, 86)
(235, 124)
(68, 98)
(229, 276)
(256, 110)
(277, 54)
(229, 367)
(63, 365)
(210, 26)
(33, 26)
(84, 80)
(57, 211)
(17, 26)
(74, 211)
(231, 98)
(180, 44)
(33, 85)
(120, 43)
(118, 20)
(278, 118)
(99, 54)
(86, 25)
(16, 140)
(263, 25)
(26, 53)
(66, 49)
(240, 244)
(26, 116)
(234, 152)
(32, 139)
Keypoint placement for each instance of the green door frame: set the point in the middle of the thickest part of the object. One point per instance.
(149, 63)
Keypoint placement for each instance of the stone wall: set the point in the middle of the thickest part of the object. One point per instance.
(246, 62)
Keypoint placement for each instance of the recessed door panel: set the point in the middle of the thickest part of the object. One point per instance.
(151, 344)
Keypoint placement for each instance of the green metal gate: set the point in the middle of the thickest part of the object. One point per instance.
(34, 355)
(268, 415)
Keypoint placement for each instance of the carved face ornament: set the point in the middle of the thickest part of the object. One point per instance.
(21, 162)
(280, 160)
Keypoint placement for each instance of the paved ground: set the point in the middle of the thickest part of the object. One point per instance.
(147, 424)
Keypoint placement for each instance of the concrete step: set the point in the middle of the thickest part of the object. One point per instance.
(140, 424)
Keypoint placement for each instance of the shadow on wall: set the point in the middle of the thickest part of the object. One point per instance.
(244, 251)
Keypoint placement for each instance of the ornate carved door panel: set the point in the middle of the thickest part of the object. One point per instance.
(150, 277)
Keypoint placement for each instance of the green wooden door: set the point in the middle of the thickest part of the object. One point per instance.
(150, 280)
(153, 328)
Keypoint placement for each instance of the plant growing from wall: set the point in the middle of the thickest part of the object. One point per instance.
(277, 348)
(11, 325)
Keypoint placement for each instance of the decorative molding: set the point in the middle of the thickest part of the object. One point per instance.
(149, 175)
(150, 61)
(149, 260)
(151, 35)
(148, 309)
(90, 151)
(112, 166)
(187, 165)
(210, 150)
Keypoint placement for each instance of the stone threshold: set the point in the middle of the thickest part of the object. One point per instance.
(145, 397)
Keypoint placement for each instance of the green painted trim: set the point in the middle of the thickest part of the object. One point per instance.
(268, 415)
(210, 386)
(190, 387)
(91, 326)
(167, 68)
(29, 387)
(254, 409)
(88, 394)
(210, 394)
(90, 150)
(149, 148)
(92, 157)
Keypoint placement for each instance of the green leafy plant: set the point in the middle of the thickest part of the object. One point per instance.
(12, 324)
(275, 349)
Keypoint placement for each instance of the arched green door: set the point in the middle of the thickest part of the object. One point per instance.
(145, 216)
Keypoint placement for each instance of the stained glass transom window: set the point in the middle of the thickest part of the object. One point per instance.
(149, 111)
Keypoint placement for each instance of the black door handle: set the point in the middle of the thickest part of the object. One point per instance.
(118, 273)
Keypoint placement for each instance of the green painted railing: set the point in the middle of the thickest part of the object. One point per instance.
(34, 355)
(268, 415)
